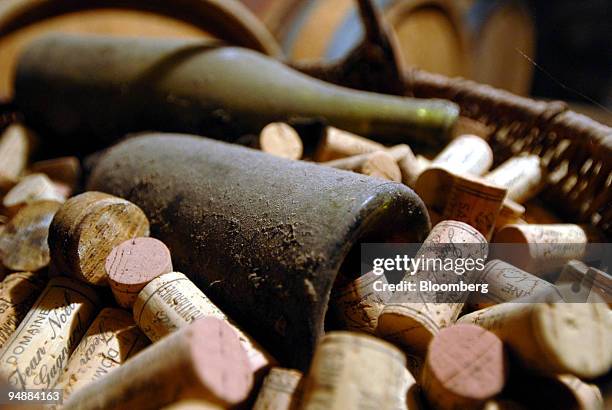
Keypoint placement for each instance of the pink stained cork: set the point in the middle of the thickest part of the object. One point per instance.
(202, 361)
(221, 363)
(131, 265)
(465, 366)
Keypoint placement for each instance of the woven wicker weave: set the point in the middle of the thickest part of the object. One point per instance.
(576, 150)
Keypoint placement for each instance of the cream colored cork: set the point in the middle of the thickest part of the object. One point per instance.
(358, 304)
(18, 292)
(85, 230)
(339, 144)
(506, 283)
(466, 154)
(353, 370)
(587, 396)
(413, 324)
(35, 356)
(203, 361)
(132, 264)
(474, 202)
(172, 301)
(23, 241)
(406, 163)
(16, 145)
(281, 390)
(32, 188)
(412, 168)
(545, 247)
(381, 165)
(353, 163)
(378, 164)
(523, 176)
(465, 366)
(461, 197)
(112, 338)
(554, 338)
(281, 140)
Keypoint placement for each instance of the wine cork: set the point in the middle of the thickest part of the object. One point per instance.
(467, 154)
(474, 202)
(339, 144)
(63, 170)
(523, 176)
(281, 390)
(203, 360)
(134, 263)
(172, 301)
(32, 188)
(505, 283)
(465, 366)
(18, 292)
(381, 165)
(587, 284)
(112, 338)
(412, 323)
(587, 396)
(355, 162)
(412, 168)
(461, 197)
(16, 144)
(554, 338)
(23, 242)
(543, 247)
(352, 370)
(85, 230)
(35, 356)
(358, 304)
(281, 140)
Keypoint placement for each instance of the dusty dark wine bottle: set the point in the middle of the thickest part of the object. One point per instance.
(263, 237)
(90, 90)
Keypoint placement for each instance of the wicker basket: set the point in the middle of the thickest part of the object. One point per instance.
(576, 149)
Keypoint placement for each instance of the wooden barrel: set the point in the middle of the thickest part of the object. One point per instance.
(21, 21)
(428, 32)
(502, 39)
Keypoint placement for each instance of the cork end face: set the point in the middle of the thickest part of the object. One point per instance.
(104, 227)
(135, 262)
(576, 337)
(409, 327)
(219, 360)
(382, 165)
(510, 234)
(468, 361)
(281, 140)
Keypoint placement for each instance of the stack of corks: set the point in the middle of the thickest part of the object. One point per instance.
(91, 304)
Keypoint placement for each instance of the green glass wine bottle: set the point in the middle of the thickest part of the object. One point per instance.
(264, 237)
(88, 91)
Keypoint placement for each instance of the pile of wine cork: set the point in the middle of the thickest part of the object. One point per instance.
(93, 305)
